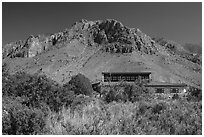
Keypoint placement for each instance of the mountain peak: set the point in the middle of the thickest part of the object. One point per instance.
(92, 47)
(112, 34)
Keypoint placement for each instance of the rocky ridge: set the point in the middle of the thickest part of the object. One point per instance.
(176, 48)
(93, 47)
(111, 34)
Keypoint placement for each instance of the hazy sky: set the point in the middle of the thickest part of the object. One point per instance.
(181, 22)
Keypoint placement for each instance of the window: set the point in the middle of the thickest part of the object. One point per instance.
(146, 77)
(132, 78)
(128, 78)
(159, 90)
(123, 77)
(111, 78)
(119, 78)
(137, 77)
(115, 78)
(105, 79)
(174, 90)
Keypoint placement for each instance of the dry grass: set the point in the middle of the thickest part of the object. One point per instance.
(127, 118)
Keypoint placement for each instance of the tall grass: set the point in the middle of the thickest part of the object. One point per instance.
(128, 118)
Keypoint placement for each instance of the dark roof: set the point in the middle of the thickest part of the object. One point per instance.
(165, 84)
(96, 83)
(126, 73)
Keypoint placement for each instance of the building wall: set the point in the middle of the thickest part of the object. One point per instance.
(168, 90)
(128, 77)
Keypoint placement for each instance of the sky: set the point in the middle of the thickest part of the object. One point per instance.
(180, 22)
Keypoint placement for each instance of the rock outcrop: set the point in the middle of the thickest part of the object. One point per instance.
(111, 34)
(119, 38)
(32, 46)
(36, 46)
(175, 48)
(14, 49)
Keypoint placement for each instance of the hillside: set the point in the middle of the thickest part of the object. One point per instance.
(193, 48)
(92, 47)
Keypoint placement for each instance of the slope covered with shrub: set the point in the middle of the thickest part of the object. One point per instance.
(27, 99)
(34, 104)
(157, 118)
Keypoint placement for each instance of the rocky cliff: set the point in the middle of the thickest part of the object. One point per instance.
(111, 34)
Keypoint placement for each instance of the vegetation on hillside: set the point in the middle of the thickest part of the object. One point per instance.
(34, 104)
(190, 53)
(193, 48)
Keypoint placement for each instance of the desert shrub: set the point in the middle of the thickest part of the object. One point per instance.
(80, 101)
(175, 96)
(172, 117)
(156, 109)
(19, 119)
(143, 107)
(35, 90)
(81, 119)
(6, 80)
(60, 97)
(96, 87)
(127, 92)
(110, 96)
(137, 91)
(128, 89)
(31, 101)
(194, 94)
(182, 118)
(81, 85)
(116, 93)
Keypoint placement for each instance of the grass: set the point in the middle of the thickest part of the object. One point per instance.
(174, 117)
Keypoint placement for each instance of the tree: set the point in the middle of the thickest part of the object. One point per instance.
(81, 85)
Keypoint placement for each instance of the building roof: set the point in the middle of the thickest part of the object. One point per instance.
(122, 73)
(96, 83)
(165, 84)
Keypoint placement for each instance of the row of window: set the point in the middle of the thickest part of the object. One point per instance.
(127, 78)
(172, 90)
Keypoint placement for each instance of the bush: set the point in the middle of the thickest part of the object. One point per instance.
(149, 118)
(158, 108)
(36, 90)
(80, 101)
(80, 85)
(128, 92)
(18, 119)
(97, 87)
(194, 94)
(28, 99)
(143, 107)
(110, 96)
(175, 96)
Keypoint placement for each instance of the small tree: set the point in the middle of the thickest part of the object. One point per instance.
(138, 89)
(81, 85)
